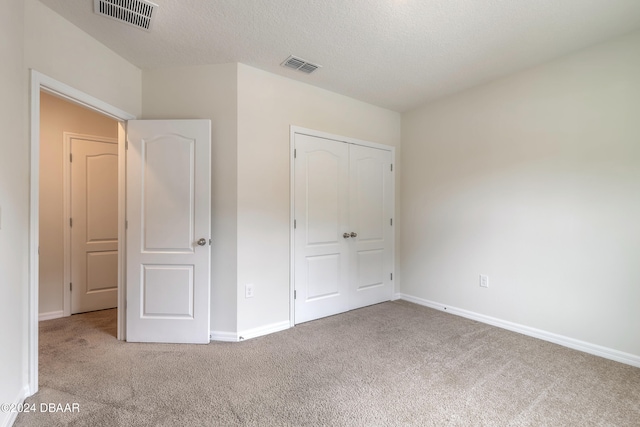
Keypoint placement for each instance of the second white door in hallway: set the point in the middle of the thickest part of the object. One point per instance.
(94, 224)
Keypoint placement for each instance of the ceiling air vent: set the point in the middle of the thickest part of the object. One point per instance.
(300, 65)
(137, 13)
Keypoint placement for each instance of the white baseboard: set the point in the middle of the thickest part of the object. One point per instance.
(263, 330)
(396, 296)
(597, 350)
(249, 333)
(11, 416)
(223, 336)
(50, 315)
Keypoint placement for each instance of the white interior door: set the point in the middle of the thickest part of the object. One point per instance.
(343, 237)
(370, 212)
(94, 225)
(321, 212)
(168, 233)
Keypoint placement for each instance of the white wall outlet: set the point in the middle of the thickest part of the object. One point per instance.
(484, 281)
(248, 290)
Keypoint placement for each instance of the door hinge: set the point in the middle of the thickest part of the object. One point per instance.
(126, 224)
(209, 242)
(295, 153)
(295, 294)
(391, 274)
(70, 286)
(295, 224)
(126, 145)
(70, 222)
(70, 157)
(391, 222)
(391, 167)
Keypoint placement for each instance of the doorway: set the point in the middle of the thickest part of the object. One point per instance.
(92, 199)
(41, 82)
(78, 209)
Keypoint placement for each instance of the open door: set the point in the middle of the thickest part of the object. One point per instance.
(168, 230)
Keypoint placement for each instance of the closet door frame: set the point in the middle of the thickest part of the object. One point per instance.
(320, 134)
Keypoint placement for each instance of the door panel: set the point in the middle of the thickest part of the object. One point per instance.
(323, 195)
(168, 211)
(167, 291)
(102, 270)
(370, 210)
(367, 195)
(168, 192)
(94, 232)
(370, 266)
(323, 278)
(321, 198)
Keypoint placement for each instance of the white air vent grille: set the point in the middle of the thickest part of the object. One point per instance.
(300, 65)
(138, 13)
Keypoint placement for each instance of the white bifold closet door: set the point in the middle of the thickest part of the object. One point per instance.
(343, 254)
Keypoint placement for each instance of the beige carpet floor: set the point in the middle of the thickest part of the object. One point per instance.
(392, 364)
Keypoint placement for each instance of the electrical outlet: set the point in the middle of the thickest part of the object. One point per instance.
(248, 290)
(484, 281)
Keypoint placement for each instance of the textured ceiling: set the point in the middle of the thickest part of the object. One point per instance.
(396, 54)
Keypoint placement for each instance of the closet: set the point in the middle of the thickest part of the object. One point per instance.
(343, 225)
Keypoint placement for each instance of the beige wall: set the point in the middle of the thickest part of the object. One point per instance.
(58, 49)
(208, 92)
(56, 117)
(267, 106)
(533, 180)
(14, 208)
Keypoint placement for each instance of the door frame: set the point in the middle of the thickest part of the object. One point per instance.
(47, 84)
(66, 200)
(293, 130)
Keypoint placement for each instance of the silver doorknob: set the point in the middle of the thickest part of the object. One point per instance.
(202, 242)
(354, 234)
(346, 235)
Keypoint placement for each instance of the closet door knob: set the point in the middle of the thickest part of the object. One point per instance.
(346, 235)
(354, 234)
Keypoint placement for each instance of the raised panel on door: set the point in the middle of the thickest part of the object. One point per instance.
(167, 291)
(168, 212)
(94, 232)
(168, 194)
(321, 211)
(370, 212)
